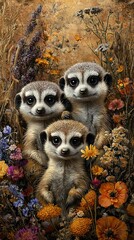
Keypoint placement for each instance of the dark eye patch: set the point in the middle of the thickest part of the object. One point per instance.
(93, 80)
(50, 100)
(30, 100)
(76, 141)
(73, 82)
(55, 140)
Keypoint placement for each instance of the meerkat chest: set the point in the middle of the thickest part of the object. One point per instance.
(88, 115)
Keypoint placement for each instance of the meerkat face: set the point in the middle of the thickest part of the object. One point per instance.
(85, 82)
(40, 100)
(65, 138)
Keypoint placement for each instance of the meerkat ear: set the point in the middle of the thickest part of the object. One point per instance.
(108, 79)
(17, 101)
(67, 104)
(43, 137)
(90, 138)
(62, 83)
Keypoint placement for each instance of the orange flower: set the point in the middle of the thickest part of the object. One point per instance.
(90, 151)
(87, 201)
(117, 118)
(42, 61)
(96, 170)
(77, 37)
(49, 211)
(120, 69)
(3, 169)
(130, 209)
(80, 226)
(111, 228)
(113, 194)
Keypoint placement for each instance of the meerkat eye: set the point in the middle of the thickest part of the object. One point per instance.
(76, 141)
(50, 100)
(93, 80)
(73, 82)
(30, 100)
(56, 141)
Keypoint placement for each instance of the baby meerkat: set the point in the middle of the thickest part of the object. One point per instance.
(39, 103)
(86, 85)
(65, 180)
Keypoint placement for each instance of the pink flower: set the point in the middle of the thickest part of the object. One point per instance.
(15, 172)
(116, 104)
(16, 155)
(96, 182)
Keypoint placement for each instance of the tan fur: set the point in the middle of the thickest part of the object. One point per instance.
(65, 180)
(88, 108)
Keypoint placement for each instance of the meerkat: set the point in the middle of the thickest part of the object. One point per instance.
(86, 85)
(65, 180)
(39, 103)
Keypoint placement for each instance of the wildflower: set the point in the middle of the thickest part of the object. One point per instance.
(130, 209)
(15, 172)
(42, 61)
(4, 143)
(111, 228)
(90, 151)
(49, 211)
(3, 169)
(7, 130)
(96, 170)
(33, 202)
(113, 194)
(54, 72)
(117, 118)
(27, 234)
(120, 69)
(96, 182)
(87, 201)
(16, 155)
(102, 47)
(12, 147)
(18, 203)
(77, 37)
(80, 226)
(116, 104)
(25, 211)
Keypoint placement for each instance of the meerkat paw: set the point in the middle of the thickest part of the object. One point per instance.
(37, 155)
(66, 115)
(73, 197)
(100, 141)
(47, 196)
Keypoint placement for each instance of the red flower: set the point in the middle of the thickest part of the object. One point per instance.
(15, 172)
(116, 104)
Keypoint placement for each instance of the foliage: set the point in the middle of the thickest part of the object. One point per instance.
(106, 211)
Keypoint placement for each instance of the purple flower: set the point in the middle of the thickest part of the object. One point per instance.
(3, 143)
(7, 130)
(15, 172)
(27, 234)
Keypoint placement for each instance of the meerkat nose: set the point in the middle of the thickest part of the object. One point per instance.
(83, 91)
(40, 111)
(65, 151)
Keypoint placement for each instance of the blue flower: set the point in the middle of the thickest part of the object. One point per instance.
(18, 203)
(3, 143)
(25, 211)
(7, 130)
(32, 203)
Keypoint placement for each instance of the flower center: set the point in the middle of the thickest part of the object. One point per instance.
(113, 194)
(109, 233)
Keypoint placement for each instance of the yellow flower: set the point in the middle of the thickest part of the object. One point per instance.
(90, 151)
(3, 169)
(49, 211)
(120, 69)
(54, 72)
(42, 61)
(96, 170)
(80, 226)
